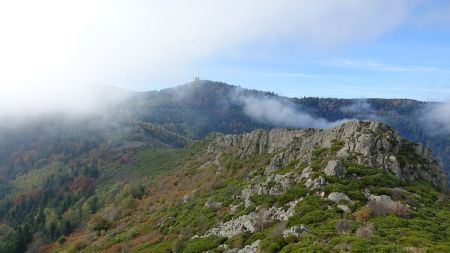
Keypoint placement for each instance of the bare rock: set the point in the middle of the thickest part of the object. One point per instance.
(252, 248)
(316, 183)
(249, 222)
(338, 196)
(368, 142)
(344, 208)
(306, 173)
(335, 168)
(213, 205)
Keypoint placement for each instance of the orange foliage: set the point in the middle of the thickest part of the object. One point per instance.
(80, 183)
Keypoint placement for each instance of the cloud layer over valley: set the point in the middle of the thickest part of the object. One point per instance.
(436, 118)
(278, 111)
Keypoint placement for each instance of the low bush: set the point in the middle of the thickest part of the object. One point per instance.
(363, 214)
(292, 194)
(202, 244)
(365, 231)
(344, 226)
(272, 245)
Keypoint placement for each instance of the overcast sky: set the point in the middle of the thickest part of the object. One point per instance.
(53, 52)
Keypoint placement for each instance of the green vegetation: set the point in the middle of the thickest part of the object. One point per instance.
(130, 187)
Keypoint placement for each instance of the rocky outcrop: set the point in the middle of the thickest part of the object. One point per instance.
(295, 231)
(367, 142)
(251, 221)
(252, 248)
(316, 183)
(383, 204)
(275, 184)
(307, 172)
(335, 168)
(338, 197)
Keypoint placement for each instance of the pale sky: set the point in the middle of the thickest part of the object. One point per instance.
(53, 52)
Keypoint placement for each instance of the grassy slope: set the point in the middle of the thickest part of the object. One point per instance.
(160, 222)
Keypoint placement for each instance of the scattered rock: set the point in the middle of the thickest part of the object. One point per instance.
(306, 173)
(213, 205)
(252, 248)
(338, 196)
(316, 183)
(344, 208)
(335, 168)
(383, 204)
(186, 198)
(235, 226)
(295, 231)
(320, 194)
(275, 184)
(303, 228)
(280, 183)
(233, 208)
(249, 222)
(380, 199)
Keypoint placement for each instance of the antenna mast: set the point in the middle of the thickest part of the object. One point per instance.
(198, 73)
(197, 78)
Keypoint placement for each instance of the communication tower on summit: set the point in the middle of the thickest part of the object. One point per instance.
(197, 78)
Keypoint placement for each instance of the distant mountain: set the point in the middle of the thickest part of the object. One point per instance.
(197, 108)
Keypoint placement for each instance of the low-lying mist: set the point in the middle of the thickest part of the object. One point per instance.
(436, 118)
(22, 104)
(280, 112)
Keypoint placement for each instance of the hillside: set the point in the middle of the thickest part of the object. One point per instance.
(359, 187)
(105, 182)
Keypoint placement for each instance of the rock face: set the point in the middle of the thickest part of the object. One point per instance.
(335, 168)
(275, 185)
(252, 248)
(368, 142)
(251, 221)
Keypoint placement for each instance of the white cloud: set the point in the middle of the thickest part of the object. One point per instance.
(50, 47)
(436, 118)
(278, 112)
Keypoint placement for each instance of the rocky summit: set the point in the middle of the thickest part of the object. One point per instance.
(368, 143)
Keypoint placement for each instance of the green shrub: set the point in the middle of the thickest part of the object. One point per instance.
(359, 170)
(311, 210)
(292, 194)
(264, 199)
(62, 239)
(99, 223)
(336, 145)
(272, 245)
(202, 244)
(382, 179)
(424, 189)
